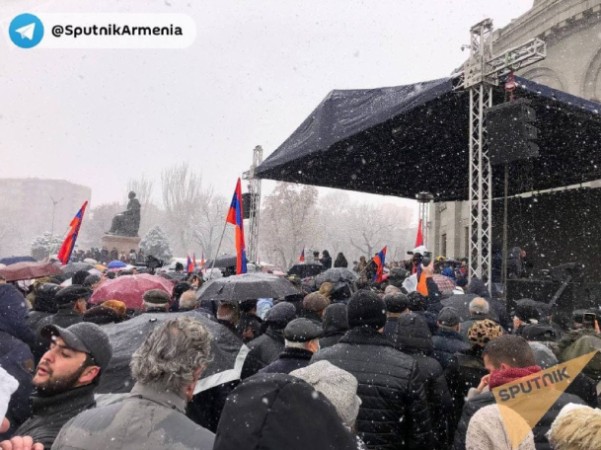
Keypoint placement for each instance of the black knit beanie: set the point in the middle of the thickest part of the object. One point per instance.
(366, 309)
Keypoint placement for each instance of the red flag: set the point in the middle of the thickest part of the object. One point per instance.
(235, 217)
(202, 260)
(379, 260)
(190, 266)
(302, 256)
(64, 254)
(419, 240)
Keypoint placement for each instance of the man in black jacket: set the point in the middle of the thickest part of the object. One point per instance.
(394, 412)
(509, 358)
(64, 380)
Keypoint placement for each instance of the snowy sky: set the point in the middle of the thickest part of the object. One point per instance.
(255, 71)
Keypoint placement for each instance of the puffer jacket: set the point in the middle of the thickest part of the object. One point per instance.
(446, 343)
(540, 430)
(51, 413)
(394, 411)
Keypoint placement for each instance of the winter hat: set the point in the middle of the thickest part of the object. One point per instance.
(396, 302)
(576, 427)
(526, 313)
(269, 412)
(279, 316)
(44, 297)
(413, 334)
(448, 317)
(315, 302)
(335, 318)
(90, 280)
(483, 331)
(69, 295)
(302, 330)
(84, 337)
(119, 306)
(80, 276)
(417, 302)
(156, 298)
(366, 309)
(479, 307)
(338, 386)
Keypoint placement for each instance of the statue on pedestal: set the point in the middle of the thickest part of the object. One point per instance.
(127, 223)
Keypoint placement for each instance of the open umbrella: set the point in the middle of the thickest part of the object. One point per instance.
(444, 283)
(248, 286)
(15, 259)
(336, 275)
(223, 261)
(227, 351)
(73, 267)
(130, 289)
(116, 264)
(28, 270)
(304, 270)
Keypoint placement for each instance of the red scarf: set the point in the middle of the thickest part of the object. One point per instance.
(501, 377)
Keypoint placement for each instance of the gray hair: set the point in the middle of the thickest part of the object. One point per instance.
(479, 306)
(188, 300)
(171, 354)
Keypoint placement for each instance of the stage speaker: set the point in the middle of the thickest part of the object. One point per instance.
(248, 204)
(510, 132)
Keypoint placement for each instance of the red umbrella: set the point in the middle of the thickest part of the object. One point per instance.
(27, 270)
(130, 289)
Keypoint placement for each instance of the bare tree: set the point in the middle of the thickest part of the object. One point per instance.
(288, 222)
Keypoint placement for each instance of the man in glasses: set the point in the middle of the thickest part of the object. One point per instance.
(64, 381)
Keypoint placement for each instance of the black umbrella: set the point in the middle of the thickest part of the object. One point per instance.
(248, 286)
(304, 270)
(73, 267)
(227, 351)
(223, 262)
(461, 303)
(336, 275)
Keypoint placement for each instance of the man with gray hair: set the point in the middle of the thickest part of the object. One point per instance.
(479, 309)
(188, 301)
(166, 368)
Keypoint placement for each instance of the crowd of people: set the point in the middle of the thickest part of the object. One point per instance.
(400, 364)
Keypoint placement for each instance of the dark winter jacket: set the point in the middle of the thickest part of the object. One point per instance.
(147, 418)
(464, 371)
(390, 328)
(579, 342)
(326, 262)
(51, 413)
(34, 317)
(335, 324)
(290, 359)
(413, 338)
(277, 412)
(394, 411)
(539, 431)
(16, 358)
(267, 347)
(446, 343)
(13, 314)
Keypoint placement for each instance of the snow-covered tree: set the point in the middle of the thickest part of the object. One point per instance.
(45, 245)
(155, 243)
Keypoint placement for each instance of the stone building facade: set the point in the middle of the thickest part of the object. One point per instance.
(572, 31)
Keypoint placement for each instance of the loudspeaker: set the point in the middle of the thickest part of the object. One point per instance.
(510, 132)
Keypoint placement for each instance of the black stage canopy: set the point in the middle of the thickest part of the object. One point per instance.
(406, 139)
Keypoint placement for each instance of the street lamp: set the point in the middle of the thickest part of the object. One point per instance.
(54, 203)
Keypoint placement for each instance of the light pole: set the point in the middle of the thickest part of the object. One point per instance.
(54, 203)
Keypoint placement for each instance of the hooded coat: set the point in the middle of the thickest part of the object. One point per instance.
(15, 355)
(271, 411)
(394, 411)
(335, 324)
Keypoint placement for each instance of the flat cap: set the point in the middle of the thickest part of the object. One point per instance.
(448, 317)
(281, 314)
(315, 302)
(302, 330)
(71, 294)
(156, 297)
(84, 337)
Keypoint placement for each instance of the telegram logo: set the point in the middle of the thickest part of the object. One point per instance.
(26, 31)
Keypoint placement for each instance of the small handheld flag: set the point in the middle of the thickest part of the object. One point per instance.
(379, 260)
(302, 256)
(419, 240)
(64, 254)
(235, 217)
(190, 266)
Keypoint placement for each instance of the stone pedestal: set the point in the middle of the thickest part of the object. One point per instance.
(123, 244)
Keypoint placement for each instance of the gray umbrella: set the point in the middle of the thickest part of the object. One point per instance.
(227, 351)
(248, 286)
(336, 275)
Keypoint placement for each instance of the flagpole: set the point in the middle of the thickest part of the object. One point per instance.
(218, 247)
